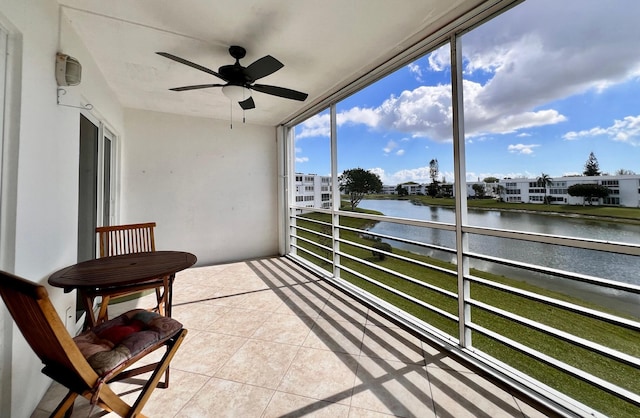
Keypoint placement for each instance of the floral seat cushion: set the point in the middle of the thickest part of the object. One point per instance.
(111, 343)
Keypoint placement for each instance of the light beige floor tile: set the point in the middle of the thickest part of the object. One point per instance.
(261, 301)
(205, 352)
(193, 294)
(321, 375)
(343, 337)
(169, 401)
(52, 397)
(198, 316)
(240, 322)
(223, 398)
(302, 305)
(286, 404)
(462, 394)
(391, 344)
(440, 359)
(259, 363)
(311, 290)
(285, 329)
(392, 387)
(366, 413)
(40, 413)
(340, 308)
(376, 319)
(225, 296)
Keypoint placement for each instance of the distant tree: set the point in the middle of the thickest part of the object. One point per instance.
(357, 182)
(623, 172)
(433, 173)
(588, 191)
(500, 189)
(545, 181)
(402, 191)
(591, 167)
(479, 190)
(384, 246)
(433, 170)
(490, 180)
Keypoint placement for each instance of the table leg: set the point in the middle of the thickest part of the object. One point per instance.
(90, 318)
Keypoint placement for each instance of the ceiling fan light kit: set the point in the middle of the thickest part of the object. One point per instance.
(236, 93)
(240, 81)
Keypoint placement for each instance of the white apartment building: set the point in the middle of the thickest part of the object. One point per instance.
(313, 191)
(624, 190)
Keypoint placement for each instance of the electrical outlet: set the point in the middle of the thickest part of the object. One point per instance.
(67, 317)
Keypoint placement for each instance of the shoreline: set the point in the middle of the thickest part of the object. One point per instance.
(602, 218)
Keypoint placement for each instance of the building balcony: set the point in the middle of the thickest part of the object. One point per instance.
(268, 338)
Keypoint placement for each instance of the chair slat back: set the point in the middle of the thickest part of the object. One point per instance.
(126, 239)
(37, 319)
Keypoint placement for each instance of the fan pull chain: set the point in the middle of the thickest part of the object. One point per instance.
(231, 113)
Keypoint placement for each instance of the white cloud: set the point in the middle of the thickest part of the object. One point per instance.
(515, 65)
(526, 149)
(391, 145)
(626, 130)
(317, 125)
(415, 70)
(302, 159)
(400, 152)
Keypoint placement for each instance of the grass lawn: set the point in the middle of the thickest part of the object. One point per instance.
(612, 336)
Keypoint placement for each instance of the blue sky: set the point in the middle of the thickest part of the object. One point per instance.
(545, 84)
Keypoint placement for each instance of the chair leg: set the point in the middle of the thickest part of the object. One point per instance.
(65, 407)
(163, 365)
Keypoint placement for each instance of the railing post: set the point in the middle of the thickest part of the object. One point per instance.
(462, 240)
(335, 193)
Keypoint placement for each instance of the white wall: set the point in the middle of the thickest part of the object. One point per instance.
(212, 190)
(46, 180)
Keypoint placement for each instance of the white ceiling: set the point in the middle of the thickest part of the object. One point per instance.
(324, 45)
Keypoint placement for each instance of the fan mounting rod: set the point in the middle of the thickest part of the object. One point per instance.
(237, 52)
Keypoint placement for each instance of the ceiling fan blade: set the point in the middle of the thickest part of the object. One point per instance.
(190, 64)
(198, 86)
(280, 91)
(247, 104)
(263, 67)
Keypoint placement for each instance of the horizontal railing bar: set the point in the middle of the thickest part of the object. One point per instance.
(408, 278)
(393, 290)
(573, 371)
(400, 257)
(315, 244)
(311, 210)
(403, 221)
(304, 250)
(574, 242)
(311, 231)
(303, 219)
(565, 336)
(559, 273)
(592, 313)
(407, 241)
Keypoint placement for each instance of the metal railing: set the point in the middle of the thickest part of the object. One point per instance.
(529, 346)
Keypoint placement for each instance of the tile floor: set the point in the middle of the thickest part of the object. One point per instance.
(268, 339)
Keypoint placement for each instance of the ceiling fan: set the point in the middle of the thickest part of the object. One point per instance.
(240, 80)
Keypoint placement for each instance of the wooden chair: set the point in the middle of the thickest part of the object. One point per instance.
(86, 364)
(126, 239)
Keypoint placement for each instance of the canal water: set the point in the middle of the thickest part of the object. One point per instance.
(609, 266)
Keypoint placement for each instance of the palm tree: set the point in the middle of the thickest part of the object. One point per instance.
(545, 181)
